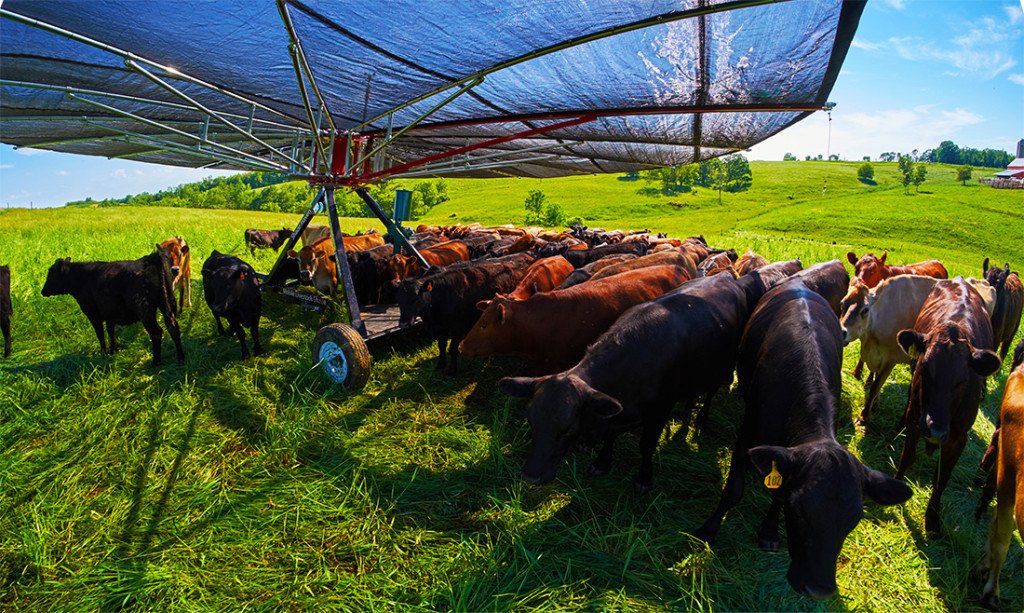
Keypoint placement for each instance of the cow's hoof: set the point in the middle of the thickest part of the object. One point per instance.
(706, 535)
(641, 488)
(259, 352)
(933, 530)
(990, 602)
(770, 544)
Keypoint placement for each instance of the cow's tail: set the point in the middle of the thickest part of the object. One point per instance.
(988, 473)
(168, 305)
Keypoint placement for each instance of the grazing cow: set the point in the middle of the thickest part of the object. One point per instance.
(266, 239)
(362, 242)
(748, 262)
(120, 293)
(1007, 481)
(789, 362)
(314, 233)
(672, 258)
(717, 263)
(582, 257)
(1009, 304)
(543, 275)
(447, 300)
(676, 347)
(232, 291)
(442, 254)
(5, 308)
(876, 316)
(317, 265)
(951, 346)
(871, 270)
(552, 330)
(176, 251)
(369, 272)
(584, 273)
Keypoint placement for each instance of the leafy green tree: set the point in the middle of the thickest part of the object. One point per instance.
(888, 156)
(738, 177)
(534, 204)
(963, 174)
(906, 165)
(866, 172)
(947, 153)
(920, 172)
(789, 157)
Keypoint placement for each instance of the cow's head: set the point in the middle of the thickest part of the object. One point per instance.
(996, 276)
(853, 311)
(822, 493)
(225, 286)
(564, 412)
(869, 269)
(308, 263)
(495, 328)
(280, 238)
(413, 297)
(946, 375)
(175, 252)
(58, 278)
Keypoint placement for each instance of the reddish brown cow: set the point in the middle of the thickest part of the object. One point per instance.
(951, 344)
(871, 270)
(543, 275)
(749, 262)
(317, 266)
(672, 258)
(1009, 482)
(552, 330)
(1009, 304)
(442, 254)
(718, 263)
(176, 251)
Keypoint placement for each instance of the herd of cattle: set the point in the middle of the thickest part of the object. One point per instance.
(618, 327)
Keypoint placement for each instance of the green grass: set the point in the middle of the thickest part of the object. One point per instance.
(223, 485)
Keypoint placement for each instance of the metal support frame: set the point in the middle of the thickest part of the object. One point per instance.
(275, 270)
(341, 262)
(397, 236)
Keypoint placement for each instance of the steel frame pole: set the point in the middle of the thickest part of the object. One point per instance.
(397, 236)
(341, 262)
(294, 238)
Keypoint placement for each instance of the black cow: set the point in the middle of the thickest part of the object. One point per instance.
(1009, 305)
(447, 300)
(677, 347)
(788, 369)
(827, 279)
(232, 292)
(5, 308)
(581, 257)
(264, 239)
(369, 272)
(120, 293)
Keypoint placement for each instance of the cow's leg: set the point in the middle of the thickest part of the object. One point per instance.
(442, 354)
(705, 407)
(909, 453)
(768, 535)
(220, 327)
(5, 328)
(236, 329)
(949, 453)
(858, 370)
(156, 335)
(172, 328)
(97, 326)
(112, 334)
(657, 416)
(731, 494)
(878, 379)
(603, 462)
(1000, 532)
(254, 331)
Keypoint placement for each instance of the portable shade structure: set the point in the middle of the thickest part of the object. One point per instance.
(346, 93)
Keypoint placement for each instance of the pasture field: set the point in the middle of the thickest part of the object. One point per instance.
(223, 485)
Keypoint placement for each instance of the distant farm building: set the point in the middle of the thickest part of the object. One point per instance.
(1013, 176)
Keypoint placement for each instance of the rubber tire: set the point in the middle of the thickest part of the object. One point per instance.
(352, 347)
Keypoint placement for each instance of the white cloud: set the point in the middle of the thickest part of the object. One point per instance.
(6, 166)
(866, 45)
(1014, 14)
(62, 173)
(30, 152)
(899, 5)
(120, 173)
(1016, 77)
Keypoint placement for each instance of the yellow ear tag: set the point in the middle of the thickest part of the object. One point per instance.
(773, 480)
(914, 353)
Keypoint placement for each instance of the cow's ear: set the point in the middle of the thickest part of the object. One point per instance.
(184, 247)
(520, 387)
(885, 254)
(483, 304)
(603, 405)
(158, 246)
(883, 489)
(1006, 269)
(912, 343)
(241, 275)
(427, 287)
(851, 257)
(767, 457)
(984, 266)
(985, 362)
(292, 254)
(332, 257)
(503, 311)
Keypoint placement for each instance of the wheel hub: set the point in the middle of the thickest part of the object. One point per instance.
(333, 362)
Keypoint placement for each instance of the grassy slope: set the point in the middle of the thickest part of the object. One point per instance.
(219, 484)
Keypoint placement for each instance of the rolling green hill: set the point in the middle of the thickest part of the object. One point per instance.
(222, 485)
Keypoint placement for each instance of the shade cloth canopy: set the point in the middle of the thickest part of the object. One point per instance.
(535, 88)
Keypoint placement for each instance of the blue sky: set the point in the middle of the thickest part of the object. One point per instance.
(919, 72)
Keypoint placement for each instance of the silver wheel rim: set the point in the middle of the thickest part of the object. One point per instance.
(334, 362)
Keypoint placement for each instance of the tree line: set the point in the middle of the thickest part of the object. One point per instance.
(728, 174)
(949, 153)
(273, 192)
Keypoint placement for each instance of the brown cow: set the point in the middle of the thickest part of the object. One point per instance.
(749, 262)
(583, 274)
(1009, 482)
(951, 344)
(176, 251)
(672, 258)
(442, 254)
(718, 263)
(871, 270)
(317, 265)
(543, 275)
(1009, 304)
(552, 330)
